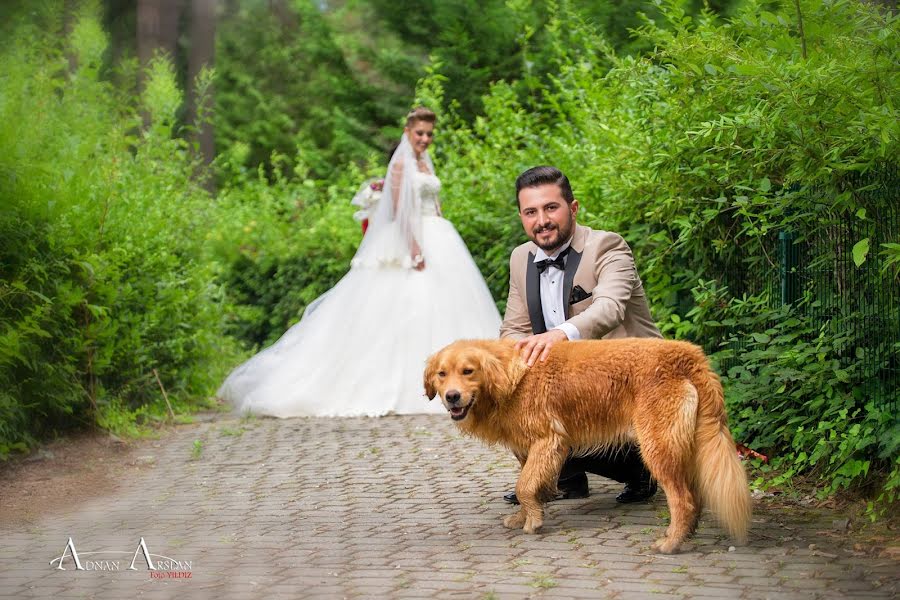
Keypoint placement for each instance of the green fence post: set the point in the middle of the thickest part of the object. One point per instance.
(789, 257)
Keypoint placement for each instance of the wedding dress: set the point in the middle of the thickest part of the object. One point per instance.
(362, 349)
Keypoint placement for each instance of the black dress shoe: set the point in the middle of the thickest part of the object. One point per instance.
(572, 487)
(637, 492)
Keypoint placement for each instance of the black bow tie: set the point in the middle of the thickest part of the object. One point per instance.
(557, 262)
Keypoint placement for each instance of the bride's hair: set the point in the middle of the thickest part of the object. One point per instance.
(420, 113)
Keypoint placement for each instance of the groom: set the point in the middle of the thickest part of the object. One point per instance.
(571, 282)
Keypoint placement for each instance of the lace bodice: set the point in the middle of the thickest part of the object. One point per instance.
(428, 187)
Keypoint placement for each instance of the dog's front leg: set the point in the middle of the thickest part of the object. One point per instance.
(522, 458)
(539, 474)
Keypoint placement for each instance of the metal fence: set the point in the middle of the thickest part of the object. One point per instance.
(862, 302)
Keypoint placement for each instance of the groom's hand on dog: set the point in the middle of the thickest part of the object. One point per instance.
(538, 346)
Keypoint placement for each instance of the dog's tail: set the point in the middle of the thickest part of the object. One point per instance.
(719, 476)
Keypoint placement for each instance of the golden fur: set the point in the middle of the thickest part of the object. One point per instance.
(596, 394)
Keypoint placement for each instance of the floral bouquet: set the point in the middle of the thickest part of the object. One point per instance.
(366, 198)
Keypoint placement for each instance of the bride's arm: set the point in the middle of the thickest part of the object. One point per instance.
(396, 176)
(415, 251)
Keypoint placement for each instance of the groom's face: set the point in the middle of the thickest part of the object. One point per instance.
(546, 216)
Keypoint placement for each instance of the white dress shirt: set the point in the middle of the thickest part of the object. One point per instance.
(552, 301)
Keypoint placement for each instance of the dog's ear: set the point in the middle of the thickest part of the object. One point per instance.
(515, 371)
(496, 378)
(428, 376)
(503, 368)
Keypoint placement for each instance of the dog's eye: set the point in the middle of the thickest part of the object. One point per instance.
(442, 373)
(468, 371)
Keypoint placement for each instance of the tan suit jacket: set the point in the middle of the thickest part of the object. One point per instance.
(609, 304)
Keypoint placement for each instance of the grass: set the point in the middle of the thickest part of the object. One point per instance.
(543, 581)
(373, 450)
(228, 431)
(196, 449)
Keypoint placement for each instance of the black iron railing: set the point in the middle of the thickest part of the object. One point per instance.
(817, 274)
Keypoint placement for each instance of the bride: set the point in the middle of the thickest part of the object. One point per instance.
(412, 288)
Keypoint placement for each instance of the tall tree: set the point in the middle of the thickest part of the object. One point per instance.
(203, 43)
(70, 14)
(157, 28)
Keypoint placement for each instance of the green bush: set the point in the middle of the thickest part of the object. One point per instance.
(102, 280)
(284, 240)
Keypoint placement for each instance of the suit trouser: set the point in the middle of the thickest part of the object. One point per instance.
(622, 464)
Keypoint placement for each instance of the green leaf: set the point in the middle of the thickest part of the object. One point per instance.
(693, 68)
(860, 251)
(768, 17)
(744, 69)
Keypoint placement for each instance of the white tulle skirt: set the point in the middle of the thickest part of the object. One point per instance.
(361, 351)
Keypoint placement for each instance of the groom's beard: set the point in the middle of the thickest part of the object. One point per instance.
(563, 233)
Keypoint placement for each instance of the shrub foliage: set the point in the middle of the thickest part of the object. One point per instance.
(102, 277)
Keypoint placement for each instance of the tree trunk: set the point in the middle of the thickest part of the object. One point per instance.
(203, 38)
(157, 29)
(283, 12)
(70, 14)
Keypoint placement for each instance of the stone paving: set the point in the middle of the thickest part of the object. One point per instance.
(398, 507)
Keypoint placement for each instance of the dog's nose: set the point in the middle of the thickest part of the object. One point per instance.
(452, 396)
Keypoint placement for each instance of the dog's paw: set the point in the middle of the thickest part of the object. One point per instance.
(532, 525)
(515, 520)
(666, 545)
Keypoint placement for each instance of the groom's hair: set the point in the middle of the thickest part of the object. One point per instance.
(543, 175)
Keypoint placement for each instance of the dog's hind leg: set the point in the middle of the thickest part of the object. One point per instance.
(683, 511)
(540, 472)
(665, 427)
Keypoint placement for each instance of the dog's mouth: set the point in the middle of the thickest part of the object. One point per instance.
(458, 413)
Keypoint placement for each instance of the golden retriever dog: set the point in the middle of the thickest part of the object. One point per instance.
(593, 395)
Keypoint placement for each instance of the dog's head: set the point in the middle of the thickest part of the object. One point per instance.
(467, 373)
